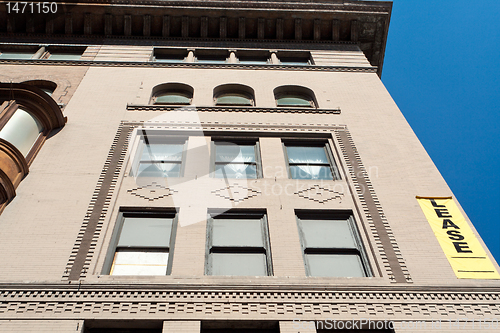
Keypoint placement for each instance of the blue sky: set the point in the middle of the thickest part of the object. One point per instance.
(442, 67)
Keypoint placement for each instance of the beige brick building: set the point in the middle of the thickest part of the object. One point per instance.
(221, 166)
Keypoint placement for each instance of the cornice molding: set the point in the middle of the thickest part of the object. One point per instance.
(361, 22)
(313, 285)
(277, 302)
(133, 107)
(187, 65)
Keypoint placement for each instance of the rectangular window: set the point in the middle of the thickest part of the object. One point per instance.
(63, 53)
(159, 156)
(15, 55)
(238, 244)
(310, 161)
(236, 160)
(170, 55)
(294, 58)
(143, 243)
(331, 245)
(254, 57)
(212, 56)
(239, 326)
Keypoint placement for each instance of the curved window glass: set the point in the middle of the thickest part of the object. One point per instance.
(294, 100)
(22, 130)
(233, 99)
(172, 98)
(48, 91)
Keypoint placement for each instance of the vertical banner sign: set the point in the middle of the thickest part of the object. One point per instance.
(463, 250)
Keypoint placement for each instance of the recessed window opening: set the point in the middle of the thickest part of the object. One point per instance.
(63, 53)
(236, 160)
(143, 243)
(254, 57)
(170, 55)
(234, 95)
(239, 326)
(331, 244)
(294, 96)
(294, 58)
(159, 156)
(172, 94)
(310, 161)
(212, 56)
(238, 244)
(15, 54)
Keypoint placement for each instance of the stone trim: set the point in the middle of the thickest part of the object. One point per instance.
(389, 251)
(133, 107)
(247, 127)
(187, 65)
(83, 250)
(120, 302)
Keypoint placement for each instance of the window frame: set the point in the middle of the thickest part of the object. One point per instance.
(235, 215)
(7, 114)
(138, 148)
(295, 58)
(184, 93)
(250, 57)
(239, 142)
(135, 212)
(212, 56)
(43, 52)
(305, 97)
(160, 51)
(348, 216)
(235, 93)
(328, 152)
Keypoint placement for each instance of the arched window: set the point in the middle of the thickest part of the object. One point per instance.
(22, 130)
(172, 94)
(27, 116)
(234, 95)
(294, 96)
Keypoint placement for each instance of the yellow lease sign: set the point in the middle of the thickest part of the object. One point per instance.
(463, 250)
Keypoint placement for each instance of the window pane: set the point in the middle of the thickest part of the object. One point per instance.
(173, 98)
(233, 100)
(237, 232)
(173, 58)
(295, 63)
(64, 56)
(47, 91)
(162, 152)
(145, 232)
(310, 172)
(16, 55)
(241, 264)
(253, 62)
(311, 155)
(21, 130)
(327, 234)
(236, 171)
(335, 265)
(234, 153)
(293, 101)
(159, 169)
(140, 263)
